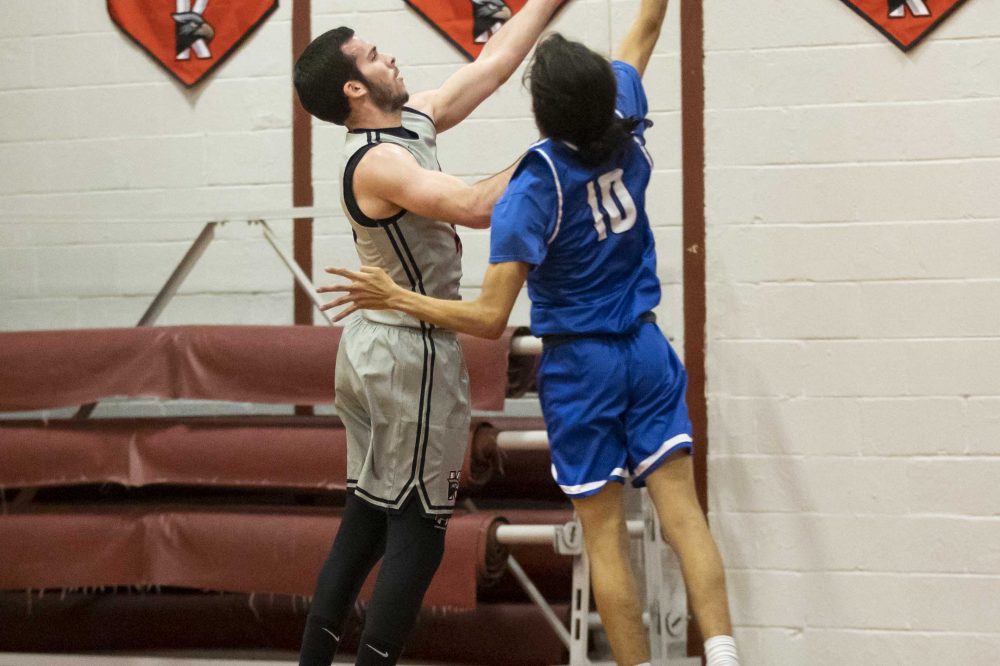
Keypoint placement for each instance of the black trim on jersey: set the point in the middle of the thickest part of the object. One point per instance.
(400, 132)
(428, 332)
(351, 201)
(429, 336)
(399, 255)
(420, 113)
(406, 246)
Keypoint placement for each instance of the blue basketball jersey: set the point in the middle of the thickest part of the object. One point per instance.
(583, 229)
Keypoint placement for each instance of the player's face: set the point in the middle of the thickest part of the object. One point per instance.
(385, 85)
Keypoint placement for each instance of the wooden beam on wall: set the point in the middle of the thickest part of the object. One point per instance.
(302, 186)
(693, 167)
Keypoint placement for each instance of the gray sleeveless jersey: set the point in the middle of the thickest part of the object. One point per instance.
(419, 253)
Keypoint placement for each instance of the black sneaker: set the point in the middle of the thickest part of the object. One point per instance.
(489, 16)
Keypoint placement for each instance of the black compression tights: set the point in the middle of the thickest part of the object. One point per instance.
(411, 547)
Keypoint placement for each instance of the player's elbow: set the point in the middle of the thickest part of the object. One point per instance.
(471, 217)
(494, 323)
(494, 330)
(481, 220)
(477, 211)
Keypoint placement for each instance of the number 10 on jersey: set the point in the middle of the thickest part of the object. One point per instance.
(611, 203)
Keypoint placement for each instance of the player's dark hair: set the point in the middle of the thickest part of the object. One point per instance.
(321, 72)
(573, 94)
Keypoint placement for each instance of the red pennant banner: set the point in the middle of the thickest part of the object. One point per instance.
(904, 22)
(189, 38)
(468, 24)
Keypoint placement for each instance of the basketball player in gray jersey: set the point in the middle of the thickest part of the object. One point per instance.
(401, 384)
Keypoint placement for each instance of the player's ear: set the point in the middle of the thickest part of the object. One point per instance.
(354, 89)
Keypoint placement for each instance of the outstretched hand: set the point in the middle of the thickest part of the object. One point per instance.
(370, 288)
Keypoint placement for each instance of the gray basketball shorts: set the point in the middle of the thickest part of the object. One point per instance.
(403, 396)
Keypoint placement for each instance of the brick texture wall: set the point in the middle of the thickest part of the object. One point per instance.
(854, 333)
(853, 267)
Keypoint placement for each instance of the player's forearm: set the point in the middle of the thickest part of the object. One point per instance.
(651, 14)
(472, 317)
(505, 51)
(648, 24)
(639, 42)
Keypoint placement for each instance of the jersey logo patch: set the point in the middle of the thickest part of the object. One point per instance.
(904, 22)
(189, 38)
(467, 24)
(453, 477)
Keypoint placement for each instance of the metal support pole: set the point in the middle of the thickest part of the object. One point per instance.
(525, 581)
(523, 440)
(549, 534)
(525, 345)
(579, 617)
(173, 283)
(300, 277)
(540, 601)
(657, 597)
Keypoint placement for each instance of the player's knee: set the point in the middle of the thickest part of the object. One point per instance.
(678, 526)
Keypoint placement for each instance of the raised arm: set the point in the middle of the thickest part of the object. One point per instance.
(469, 86)
(637, 47)
(485, 317)
(389, 179)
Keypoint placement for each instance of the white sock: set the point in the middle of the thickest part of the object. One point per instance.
(721, 651)
(645, 663)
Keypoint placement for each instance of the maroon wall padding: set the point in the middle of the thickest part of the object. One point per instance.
(522, 475)
(482, 458)
(264, 364)
(129, 620)
(252, 549)
(263, 452)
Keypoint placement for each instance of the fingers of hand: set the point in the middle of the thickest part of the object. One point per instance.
(340, 315)
(343, 272)
(328, 288)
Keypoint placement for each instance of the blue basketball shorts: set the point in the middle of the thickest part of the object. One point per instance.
(613, 406)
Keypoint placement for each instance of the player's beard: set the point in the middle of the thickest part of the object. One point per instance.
(386, 99)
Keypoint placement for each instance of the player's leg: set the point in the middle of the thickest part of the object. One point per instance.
(434, 437)
(360, 539)
(358, 545)
(607, 542)
(581, 387)
(672, 489)
(414, 549)
(659, 448)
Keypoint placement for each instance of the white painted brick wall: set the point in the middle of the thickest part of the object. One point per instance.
(853, 267)
(854, 334)
(90, 123)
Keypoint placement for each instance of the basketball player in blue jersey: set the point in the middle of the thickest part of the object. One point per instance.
(573, 224)
(402, 390)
